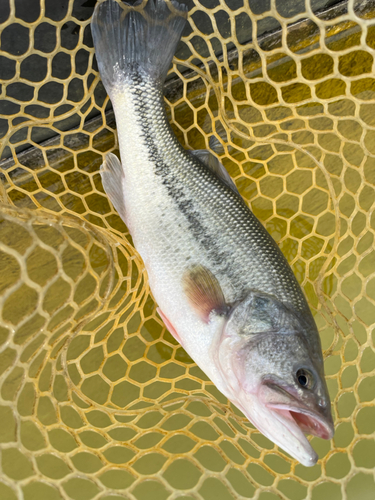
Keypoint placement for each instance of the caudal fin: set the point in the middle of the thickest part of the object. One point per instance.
(136, 39)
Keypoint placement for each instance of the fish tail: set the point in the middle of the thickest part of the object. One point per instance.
(136, 40)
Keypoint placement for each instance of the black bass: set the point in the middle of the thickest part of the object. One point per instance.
(224, 289)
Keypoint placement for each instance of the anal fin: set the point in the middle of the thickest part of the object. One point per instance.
(113, 178)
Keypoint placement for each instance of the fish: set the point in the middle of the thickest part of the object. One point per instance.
(223, 288)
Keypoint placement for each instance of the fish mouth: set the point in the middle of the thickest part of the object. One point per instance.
(307, 421)
(297, 417)
(311, 417)
(312, 424)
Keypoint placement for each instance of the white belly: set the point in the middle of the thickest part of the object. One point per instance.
(161, 236)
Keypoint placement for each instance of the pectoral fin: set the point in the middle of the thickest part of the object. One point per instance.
(203, 292)
(113, 179)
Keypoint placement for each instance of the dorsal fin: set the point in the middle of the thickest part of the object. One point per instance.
(215, 145)
(218, 168)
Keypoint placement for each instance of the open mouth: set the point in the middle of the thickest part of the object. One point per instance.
(310, 424)
(306, 421)
(309, 418)
(285, 418)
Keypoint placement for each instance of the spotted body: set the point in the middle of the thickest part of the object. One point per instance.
(223, 287)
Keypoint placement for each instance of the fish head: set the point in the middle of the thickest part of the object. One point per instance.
(272, 361)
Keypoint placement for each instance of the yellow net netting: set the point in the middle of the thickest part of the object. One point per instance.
(97, 400)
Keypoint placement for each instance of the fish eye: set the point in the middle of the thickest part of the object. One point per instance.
(304, 378)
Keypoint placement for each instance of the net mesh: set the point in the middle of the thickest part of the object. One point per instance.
(97, 400)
